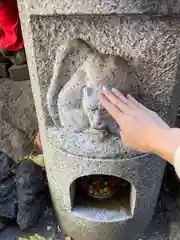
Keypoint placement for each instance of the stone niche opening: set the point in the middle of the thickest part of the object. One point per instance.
(117, 206)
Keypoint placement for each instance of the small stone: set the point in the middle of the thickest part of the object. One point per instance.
(49, 228)
(19, 72)
(58, 228)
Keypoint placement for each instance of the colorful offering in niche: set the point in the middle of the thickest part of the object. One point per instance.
(100, 186)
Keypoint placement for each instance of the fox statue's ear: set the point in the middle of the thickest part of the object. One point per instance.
(69, 58)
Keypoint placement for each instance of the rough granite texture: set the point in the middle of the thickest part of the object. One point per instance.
(151, 46)
(77, 224)
(18, 120)
(47, 7)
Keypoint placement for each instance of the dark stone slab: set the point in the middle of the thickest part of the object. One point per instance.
(4, 69)
(8, 199)
(8, 196)
(32, 193)
(19, 72)
(6, 163)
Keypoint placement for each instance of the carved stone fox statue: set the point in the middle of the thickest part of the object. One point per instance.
(80, 72)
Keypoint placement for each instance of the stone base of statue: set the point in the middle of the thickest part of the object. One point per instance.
(121, 216)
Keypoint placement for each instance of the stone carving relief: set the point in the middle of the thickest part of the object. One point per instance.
(80, 72)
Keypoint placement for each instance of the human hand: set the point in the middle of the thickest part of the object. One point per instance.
(141, 128)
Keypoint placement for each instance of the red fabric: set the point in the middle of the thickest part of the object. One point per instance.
(10, 29)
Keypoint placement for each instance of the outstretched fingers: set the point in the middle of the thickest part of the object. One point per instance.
(119, 95)
(124, 99)
(111, 108)
(118, 100)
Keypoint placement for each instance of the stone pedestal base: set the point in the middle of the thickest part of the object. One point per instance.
(82, 217)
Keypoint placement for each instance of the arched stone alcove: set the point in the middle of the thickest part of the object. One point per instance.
(118, 207)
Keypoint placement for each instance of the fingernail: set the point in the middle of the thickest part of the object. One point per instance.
(104, 89)
(114, 90)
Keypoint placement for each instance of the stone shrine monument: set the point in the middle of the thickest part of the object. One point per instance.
(100, 188)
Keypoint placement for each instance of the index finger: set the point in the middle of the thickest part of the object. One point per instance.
(112, 109)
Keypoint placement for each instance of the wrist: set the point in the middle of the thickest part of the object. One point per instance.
(166, 144)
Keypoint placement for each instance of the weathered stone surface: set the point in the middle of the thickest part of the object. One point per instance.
(8, 195)
(17, 118)
(9, 200)
(5, 166)
(137, 39)
(105, 6)
(151, 47)
(32, 193)
(19, 72)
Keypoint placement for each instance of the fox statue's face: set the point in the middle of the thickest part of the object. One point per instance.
(103, 70)
(98, 117)
(92, 108)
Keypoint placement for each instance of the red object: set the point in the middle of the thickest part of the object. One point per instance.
(98, 187)
(10, 28)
